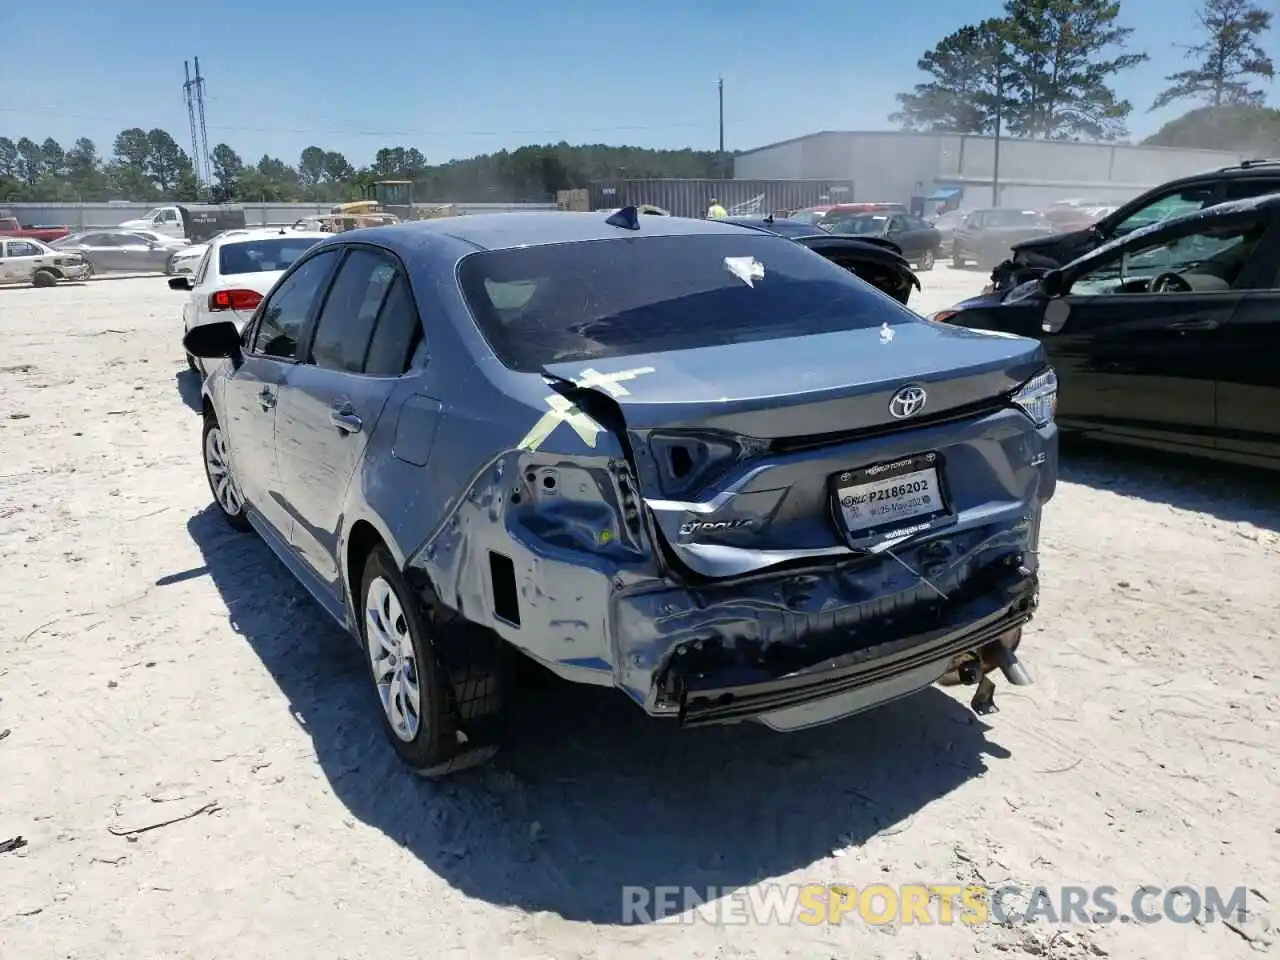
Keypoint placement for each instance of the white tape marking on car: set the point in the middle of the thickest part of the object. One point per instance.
(562, 411)
(886, 333)
(610, 382)
(746, 269)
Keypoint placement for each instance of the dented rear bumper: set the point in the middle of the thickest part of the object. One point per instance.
(856, 634)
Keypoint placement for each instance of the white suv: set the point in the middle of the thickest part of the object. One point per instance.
(237, 271)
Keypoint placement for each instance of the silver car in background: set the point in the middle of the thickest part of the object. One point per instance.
(123, 251)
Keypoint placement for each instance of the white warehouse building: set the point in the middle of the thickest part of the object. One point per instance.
(957, 169)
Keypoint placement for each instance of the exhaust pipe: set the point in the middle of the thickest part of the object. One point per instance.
(1010, 666)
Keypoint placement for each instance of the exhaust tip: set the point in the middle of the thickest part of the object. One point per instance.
(1013, 669)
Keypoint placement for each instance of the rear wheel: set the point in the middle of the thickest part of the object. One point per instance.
(438, 677)
(957, 259)
(926, 261)
(217, 468)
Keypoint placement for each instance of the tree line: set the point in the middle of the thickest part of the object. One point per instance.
(150, 165)
(1045, 69)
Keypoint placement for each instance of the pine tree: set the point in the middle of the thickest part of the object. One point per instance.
(1227, 58)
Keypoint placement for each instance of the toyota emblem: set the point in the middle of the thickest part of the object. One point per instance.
(907, 402)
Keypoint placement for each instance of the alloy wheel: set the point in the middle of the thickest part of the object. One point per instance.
(219, 469)
(394, 661)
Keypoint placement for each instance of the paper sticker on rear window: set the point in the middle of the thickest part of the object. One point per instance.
(746, 269)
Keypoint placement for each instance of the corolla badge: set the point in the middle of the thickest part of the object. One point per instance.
(907, 402)
(691, 527)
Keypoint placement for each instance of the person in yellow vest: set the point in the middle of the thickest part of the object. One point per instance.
(715, 211)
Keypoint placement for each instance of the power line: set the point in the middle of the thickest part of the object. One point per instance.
(315, 131)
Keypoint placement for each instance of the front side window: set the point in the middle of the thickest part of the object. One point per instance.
(346, 321)
(290, 305)
(169, 215)
(1244, 189)
(1211, 260)
(609, 298)
(21, 248)
(1164, 207)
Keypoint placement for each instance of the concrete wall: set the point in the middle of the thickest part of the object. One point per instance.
(897, 166)
(888, 166)
(78, 215)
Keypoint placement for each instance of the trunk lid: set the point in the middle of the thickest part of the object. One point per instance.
(745, 453)
(803, 386)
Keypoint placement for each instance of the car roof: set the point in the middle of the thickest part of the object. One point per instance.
(500, 231)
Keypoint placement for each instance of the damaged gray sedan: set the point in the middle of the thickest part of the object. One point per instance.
(687, 459)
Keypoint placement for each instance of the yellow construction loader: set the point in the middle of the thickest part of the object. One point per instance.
(396, 197)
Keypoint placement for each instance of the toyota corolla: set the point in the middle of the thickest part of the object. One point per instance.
(689, 460)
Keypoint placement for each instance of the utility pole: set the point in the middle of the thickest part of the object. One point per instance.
(193, 93)
(188, 94)
(995, 163)
(204, 131)
(720, 89)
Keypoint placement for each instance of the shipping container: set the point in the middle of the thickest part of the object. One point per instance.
(691, 198)
(579, 200)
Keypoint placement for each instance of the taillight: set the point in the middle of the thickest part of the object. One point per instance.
(234, 300)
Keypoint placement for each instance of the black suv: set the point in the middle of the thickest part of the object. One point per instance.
(1251, 178)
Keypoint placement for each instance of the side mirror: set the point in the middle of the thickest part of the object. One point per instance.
(1056, 313)
(1053, 284)
(180, 283)
(213, 341)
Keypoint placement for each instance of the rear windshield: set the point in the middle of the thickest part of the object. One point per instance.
(808, 216)
(611, 298)
(1014, 218)
(856, 223)
(262, 256)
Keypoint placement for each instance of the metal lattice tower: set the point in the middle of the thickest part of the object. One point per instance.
(193, 93)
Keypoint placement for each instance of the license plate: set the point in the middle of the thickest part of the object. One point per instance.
(885, 497)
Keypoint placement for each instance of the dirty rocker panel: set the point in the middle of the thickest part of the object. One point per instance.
(907, 493)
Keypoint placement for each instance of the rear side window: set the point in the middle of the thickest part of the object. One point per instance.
(609, 298)
(289, 306)
(261, 256)
(346, 321)
(398, 333)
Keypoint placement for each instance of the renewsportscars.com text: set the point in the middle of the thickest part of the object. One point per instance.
(929, 904)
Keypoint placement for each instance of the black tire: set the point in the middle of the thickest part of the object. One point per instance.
(926, 261)
(460, 677)
(957, 260)
(236, 518)
(44, 278)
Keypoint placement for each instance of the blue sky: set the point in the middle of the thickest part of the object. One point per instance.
(459, 78)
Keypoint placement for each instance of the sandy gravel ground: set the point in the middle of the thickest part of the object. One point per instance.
(153, 664)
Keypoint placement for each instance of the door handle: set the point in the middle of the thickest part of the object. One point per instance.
(1183, 326)
(267, 398)
(345, 419)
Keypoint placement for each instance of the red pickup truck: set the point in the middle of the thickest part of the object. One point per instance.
(10, 227)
